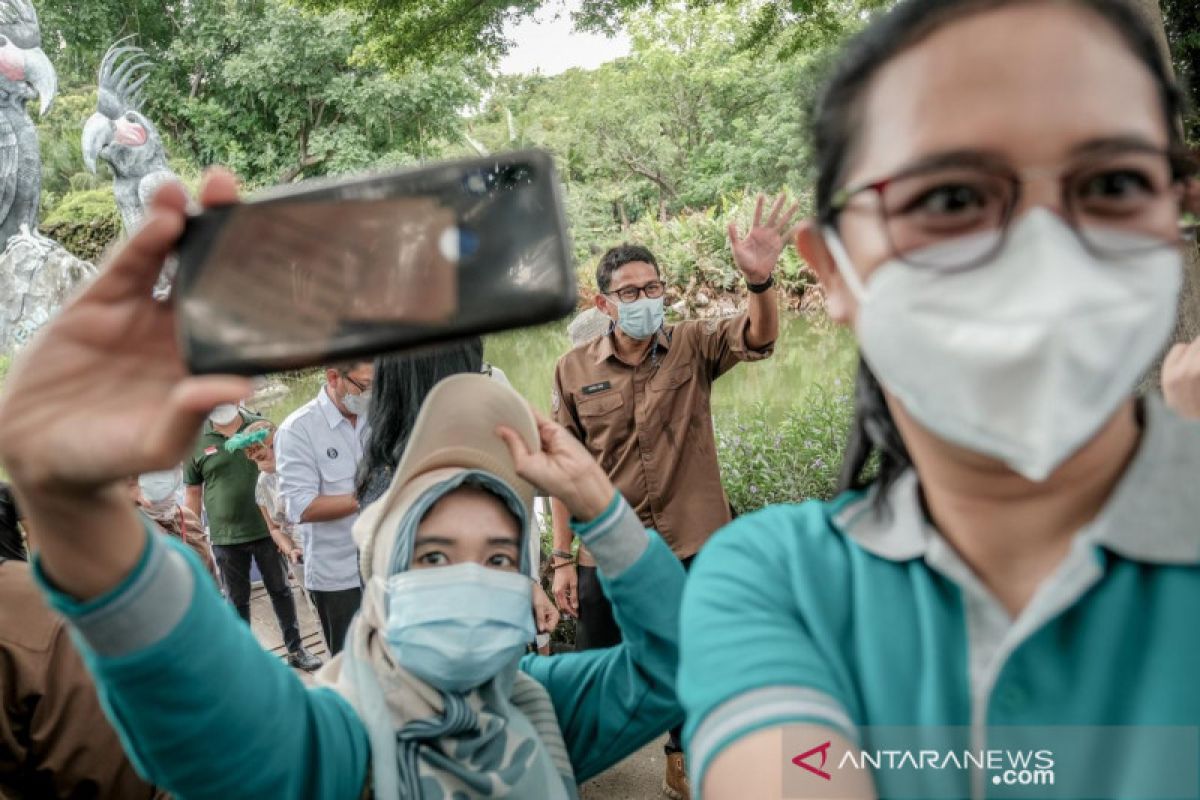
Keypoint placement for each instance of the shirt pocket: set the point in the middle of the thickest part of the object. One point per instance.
(666, 380)
(337, 475)
(603, 417)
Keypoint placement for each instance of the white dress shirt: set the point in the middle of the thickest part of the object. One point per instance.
(317, 452)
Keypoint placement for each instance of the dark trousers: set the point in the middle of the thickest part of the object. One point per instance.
(233, 560)
(597, 627)
(336, 609)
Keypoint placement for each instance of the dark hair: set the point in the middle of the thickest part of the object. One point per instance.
(836, 120)
(11, 545)
(401, 384)
(346, 367)
(619, 256)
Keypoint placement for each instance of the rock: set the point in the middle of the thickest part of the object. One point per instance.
(701, 300)
(587, 326)
(267, 395)
(679, 308)
(37, 275)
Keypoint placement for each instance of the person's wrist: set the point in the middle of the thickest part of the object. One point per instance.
(758, 287)
(592, 497)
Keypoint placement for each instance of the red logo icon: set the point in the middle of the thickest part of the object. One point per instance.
(823, 749)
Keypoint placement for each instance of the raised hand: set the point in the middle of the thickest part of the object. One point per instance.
(757, 253)
(102, 392)
(562, 469)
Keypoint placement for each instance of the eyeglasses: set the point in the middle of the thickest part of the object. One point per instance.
(356, 384)
(972, 198)
(628, 294)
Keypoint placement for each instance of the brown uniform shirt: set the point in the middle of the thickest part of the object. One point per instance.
(650, 425)
(54, 739)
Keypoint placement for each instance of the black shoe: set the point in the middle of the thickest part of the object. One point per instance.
(302, 659)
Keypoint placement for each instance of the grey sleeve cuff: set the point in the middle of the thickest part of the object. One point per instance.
(616, 539)
(761, 708)
(146, 610)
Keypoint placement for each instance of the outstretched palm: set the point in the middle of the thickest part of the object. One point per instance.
(103, 392)
(757, 253)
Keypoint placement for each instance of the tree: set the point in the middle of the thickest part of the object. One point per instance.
(278, 94)
(1182, 23)
(687, 119)
(405, 30)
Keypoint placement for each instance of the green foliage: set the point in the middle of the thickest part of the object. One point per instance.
(403, 32)
(276, 94)
(59, 136)
(766, 460)
(662, 145)
(271, 91)
(400, 32)
(84, 222)
(1181, 18)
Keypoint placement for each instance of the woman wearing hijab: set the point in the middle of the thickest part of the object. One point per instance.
(433, 697)
(1005, 597)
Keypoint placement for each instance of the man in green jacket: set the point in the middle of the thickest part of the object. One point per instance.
(224, 482)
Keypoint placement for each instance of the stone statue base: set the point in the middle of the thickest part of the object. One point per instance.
(36, 277)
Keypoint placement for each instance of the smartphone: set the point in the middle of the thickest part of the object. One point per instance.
(328, 271)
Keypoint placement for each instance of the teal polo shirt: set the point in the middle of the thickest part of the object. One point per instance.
(867, 622)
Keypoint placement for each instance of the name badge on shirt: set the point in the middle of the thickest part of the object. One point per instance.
(596, 388)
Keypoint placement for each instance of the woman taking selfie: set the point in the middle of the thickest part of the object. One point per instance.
(433, 697)
(999, 208)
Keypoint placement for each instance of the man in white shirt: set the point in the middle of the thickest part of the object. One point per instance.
(317, 450)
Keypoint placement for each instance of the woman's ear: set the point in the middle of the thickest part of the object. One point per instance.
(811, 246)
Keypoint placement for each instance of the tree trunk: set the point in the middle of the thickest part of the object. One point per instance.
(622, 216)
(1187, 321)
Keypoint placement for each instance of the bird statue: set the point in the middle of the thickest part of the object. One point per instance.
(121, 136)
(25, 74)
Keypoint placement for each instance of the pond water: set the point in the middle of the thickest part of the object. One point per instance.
(810, 353)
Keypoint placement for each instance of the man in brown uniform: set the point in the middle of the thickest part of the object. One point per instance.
(638, 399)
(54, 739)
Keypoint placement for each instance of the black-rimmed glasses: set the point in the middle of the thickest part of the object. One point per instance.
(628, 294)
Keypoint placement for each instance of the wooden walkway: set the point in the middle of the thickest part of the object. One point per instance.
(266, 627)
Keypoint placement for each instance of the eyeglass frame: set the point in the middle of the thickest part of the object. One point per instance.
(641, 290)
(356, 384)
(1182, 163)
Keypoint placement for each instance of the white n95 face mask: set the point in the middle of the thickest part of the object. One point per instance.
(1023, 358)
(160, 488)
(223, 414)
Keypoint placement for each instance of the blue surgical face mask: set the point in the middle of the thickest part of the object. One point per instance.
(642, 318)
(458, 627)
